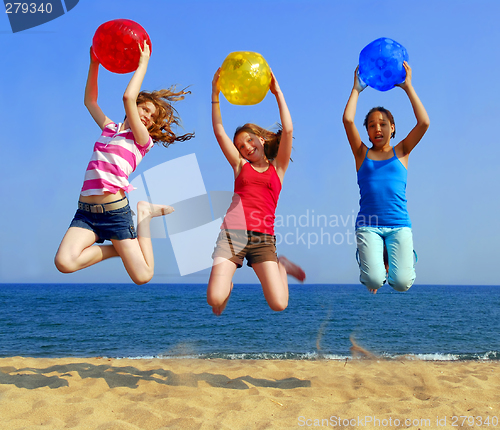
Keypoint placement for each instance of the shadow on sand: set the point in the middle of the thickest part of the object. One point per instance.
(129, 377)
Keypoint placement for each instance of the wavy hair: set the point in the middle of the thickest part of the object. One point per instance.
(271, 139)
(165, 115)
(384, 111)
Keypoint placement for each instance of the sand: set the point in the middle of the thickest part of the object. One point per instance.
(122, 394)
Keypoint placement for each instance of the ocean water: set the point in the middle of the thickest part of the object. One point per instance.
(173, 320)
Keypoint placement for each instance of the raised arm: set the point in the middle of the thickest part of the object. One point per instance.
(139, 130)
(285, 147)
(91, 93)
(348, 119)
(226, 144)
(416, 134)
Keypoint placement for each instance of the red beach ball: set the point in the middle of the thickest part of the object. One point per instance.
(115, 44)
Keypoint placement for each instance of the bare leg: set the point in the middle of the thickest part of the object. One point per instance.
(220, 284)
(137, 254)
(145, 213)
(273, 279)
(76, 251)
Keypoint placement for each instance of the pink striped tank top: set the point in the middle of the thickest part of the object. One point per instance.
(116, 155)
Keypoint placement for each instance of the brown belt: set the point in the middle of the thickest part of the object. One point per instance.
(104, 207)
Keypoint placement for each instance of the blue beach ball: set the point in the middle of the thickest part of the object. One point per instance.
(381, 64)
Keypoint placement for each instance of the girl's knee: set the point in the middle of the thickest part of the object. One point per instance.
(277, 300)
(142, 278)
(373, 281)
(402, 283)
(216, 298)
(373, 285)
(64, 264)
(139, 275)
(279, 305)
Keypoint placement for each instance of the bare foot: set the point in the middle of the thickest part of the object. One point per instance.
(146, 209)
(292, 269)
(218, 310)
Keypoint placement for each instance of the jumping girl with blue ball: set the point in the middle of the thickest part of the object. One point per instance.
(383, 224)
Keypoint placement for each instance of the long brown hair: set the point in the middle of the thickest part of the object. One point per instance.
(271, 139)
(165, 115)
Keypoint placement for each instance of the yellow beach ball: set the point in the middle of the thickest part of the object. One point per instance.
(244, 78)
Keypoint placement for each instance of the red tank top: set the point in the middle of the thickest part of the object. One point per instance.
(254, 201)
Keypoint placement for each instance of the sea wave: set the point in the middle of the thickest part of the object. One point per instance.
(312, 356)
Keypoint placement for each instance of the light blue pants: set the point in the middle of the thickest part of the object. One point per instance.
(399, 244)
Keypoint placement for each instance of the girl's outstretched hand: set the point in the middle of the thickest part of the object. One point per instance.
(215, 83)
(145, 53)
(358, 85)
(407, 81)
(274, 86)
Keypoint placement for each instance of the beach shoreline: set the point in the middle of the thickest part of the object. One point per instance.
(107, 393)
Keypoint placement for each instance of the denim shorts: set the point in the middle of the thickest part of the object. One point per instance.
(116, 224)
(235, 245)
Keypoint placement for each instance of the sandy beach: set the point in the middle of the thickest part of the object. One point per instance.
(122, 394)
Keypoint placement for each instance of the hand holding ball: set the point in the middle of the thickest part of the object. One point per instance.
(116, 45)
(381, 64)
(244, 78)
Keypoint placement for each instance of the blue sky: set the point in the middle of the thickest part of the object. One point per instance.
(313, 48)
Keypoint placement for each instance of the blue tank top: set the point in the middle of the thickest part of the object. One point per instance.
(382, 189)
